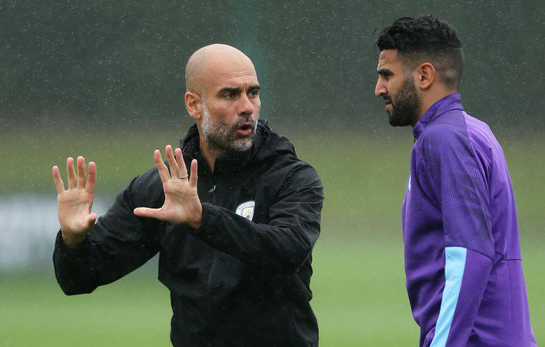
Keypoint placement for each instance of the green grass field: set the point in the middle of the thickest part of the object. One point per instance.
(359, 299)
(359, 292)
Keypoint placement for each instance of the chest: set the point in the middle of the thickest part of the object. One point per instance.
(247, 192)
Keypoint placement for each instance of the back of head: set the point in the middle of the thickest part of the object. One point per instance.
(426, 38)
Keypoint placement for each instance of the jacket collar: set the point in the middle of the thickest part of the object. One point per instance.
(444, 105)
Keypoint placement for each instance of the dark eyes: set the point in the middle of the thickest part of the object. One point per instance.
(385, 75)
(229, 95)
(233, 95)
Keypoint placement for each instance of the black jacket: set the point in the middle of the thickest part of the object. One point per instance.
(233, 282)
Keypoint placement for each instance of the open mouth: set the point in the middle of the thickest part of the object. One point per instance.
(245, 129)
(388, 103)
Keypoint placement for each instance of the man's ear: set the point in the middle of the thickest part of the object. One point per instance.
(425, 75)
(193, 105)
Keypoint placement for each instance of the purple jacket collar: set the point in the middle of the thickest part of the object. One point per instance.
(448, 103)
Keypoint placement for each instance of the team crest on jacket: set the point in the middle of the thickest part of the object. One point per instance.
(246, 209)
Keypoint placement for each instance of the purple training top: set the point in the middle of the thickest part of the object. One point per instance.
(462, 254)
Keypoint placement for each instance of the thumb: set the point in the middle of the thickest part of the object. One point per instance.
(145, 212)
(91, 219)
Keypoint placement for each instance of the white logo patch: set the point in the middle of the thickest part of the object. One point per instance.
(246, 209)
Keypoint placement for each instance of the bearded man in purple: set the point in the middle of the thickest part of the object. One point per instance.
(462, 254)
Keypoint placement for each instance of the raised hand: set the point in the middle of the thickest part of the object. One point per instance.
(182, 204)
(74, 205)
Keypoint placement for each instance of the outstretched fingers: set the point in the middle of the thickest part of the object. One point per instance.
(71, 173)
(194, 176)
(180, 195)
(145, 212)
(174, 171)
(181, 164)
(75, 180)
(59, 184)
(161, 167)
(81, 172)
(91, 178)
(81, 180)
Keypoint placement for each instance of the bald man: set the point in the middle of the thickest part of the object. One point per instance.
(232, 212)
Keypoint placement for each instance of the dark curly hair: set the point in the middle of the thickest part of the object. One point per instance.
(426, 38)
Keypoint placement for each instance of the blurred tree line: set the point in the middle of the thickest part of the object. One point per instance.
(112, 62)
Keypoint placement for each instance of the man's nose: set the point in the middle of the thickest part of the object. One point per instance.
(380, 88)
(245, 106)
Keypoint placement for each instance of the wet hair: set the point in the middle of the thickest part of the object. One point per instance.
(426, 38)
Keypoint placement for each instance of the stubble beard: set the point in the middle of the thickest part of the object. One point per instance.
(406, 105)
(221, 138)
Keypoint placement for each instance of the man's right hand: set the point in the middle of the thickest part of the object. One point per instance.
(74, 205)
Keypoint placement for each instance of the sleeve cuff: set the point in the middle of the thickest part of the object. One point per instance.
(65, 251)
(209, 216)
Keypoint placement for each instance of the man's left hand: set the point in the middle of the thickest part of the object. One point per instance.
(182, 204)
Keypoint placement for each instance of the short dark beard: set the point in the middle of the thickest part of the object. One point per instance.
(406, 104)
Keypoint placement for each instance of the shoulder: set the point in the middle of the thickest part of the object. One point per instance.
(447, 127)
(288, 175)
(290, 171)
(277, 152)
(297, 178)
(458, 127)
(305, 173)
(447, 134)
(278, 162)
(480, 135)
(461, 143)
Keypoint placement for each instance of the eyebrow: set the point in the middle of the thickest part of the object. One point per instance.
(237, 90)
(228, 90)
(385, 72)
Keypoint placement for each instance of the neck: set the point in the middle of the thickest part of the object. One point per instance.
(209, 154)
(431, 97)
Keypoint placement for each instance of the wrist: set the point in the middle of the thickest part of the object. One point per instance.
(71, 240)
(196, 222)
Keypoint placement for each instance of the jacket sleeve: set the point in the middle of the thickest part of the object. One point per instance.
(285, 243)
(459, 176)
(118, 243)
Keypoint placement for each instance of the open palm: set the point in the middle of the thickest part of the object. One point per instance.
(182, 204)
(74, 204)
